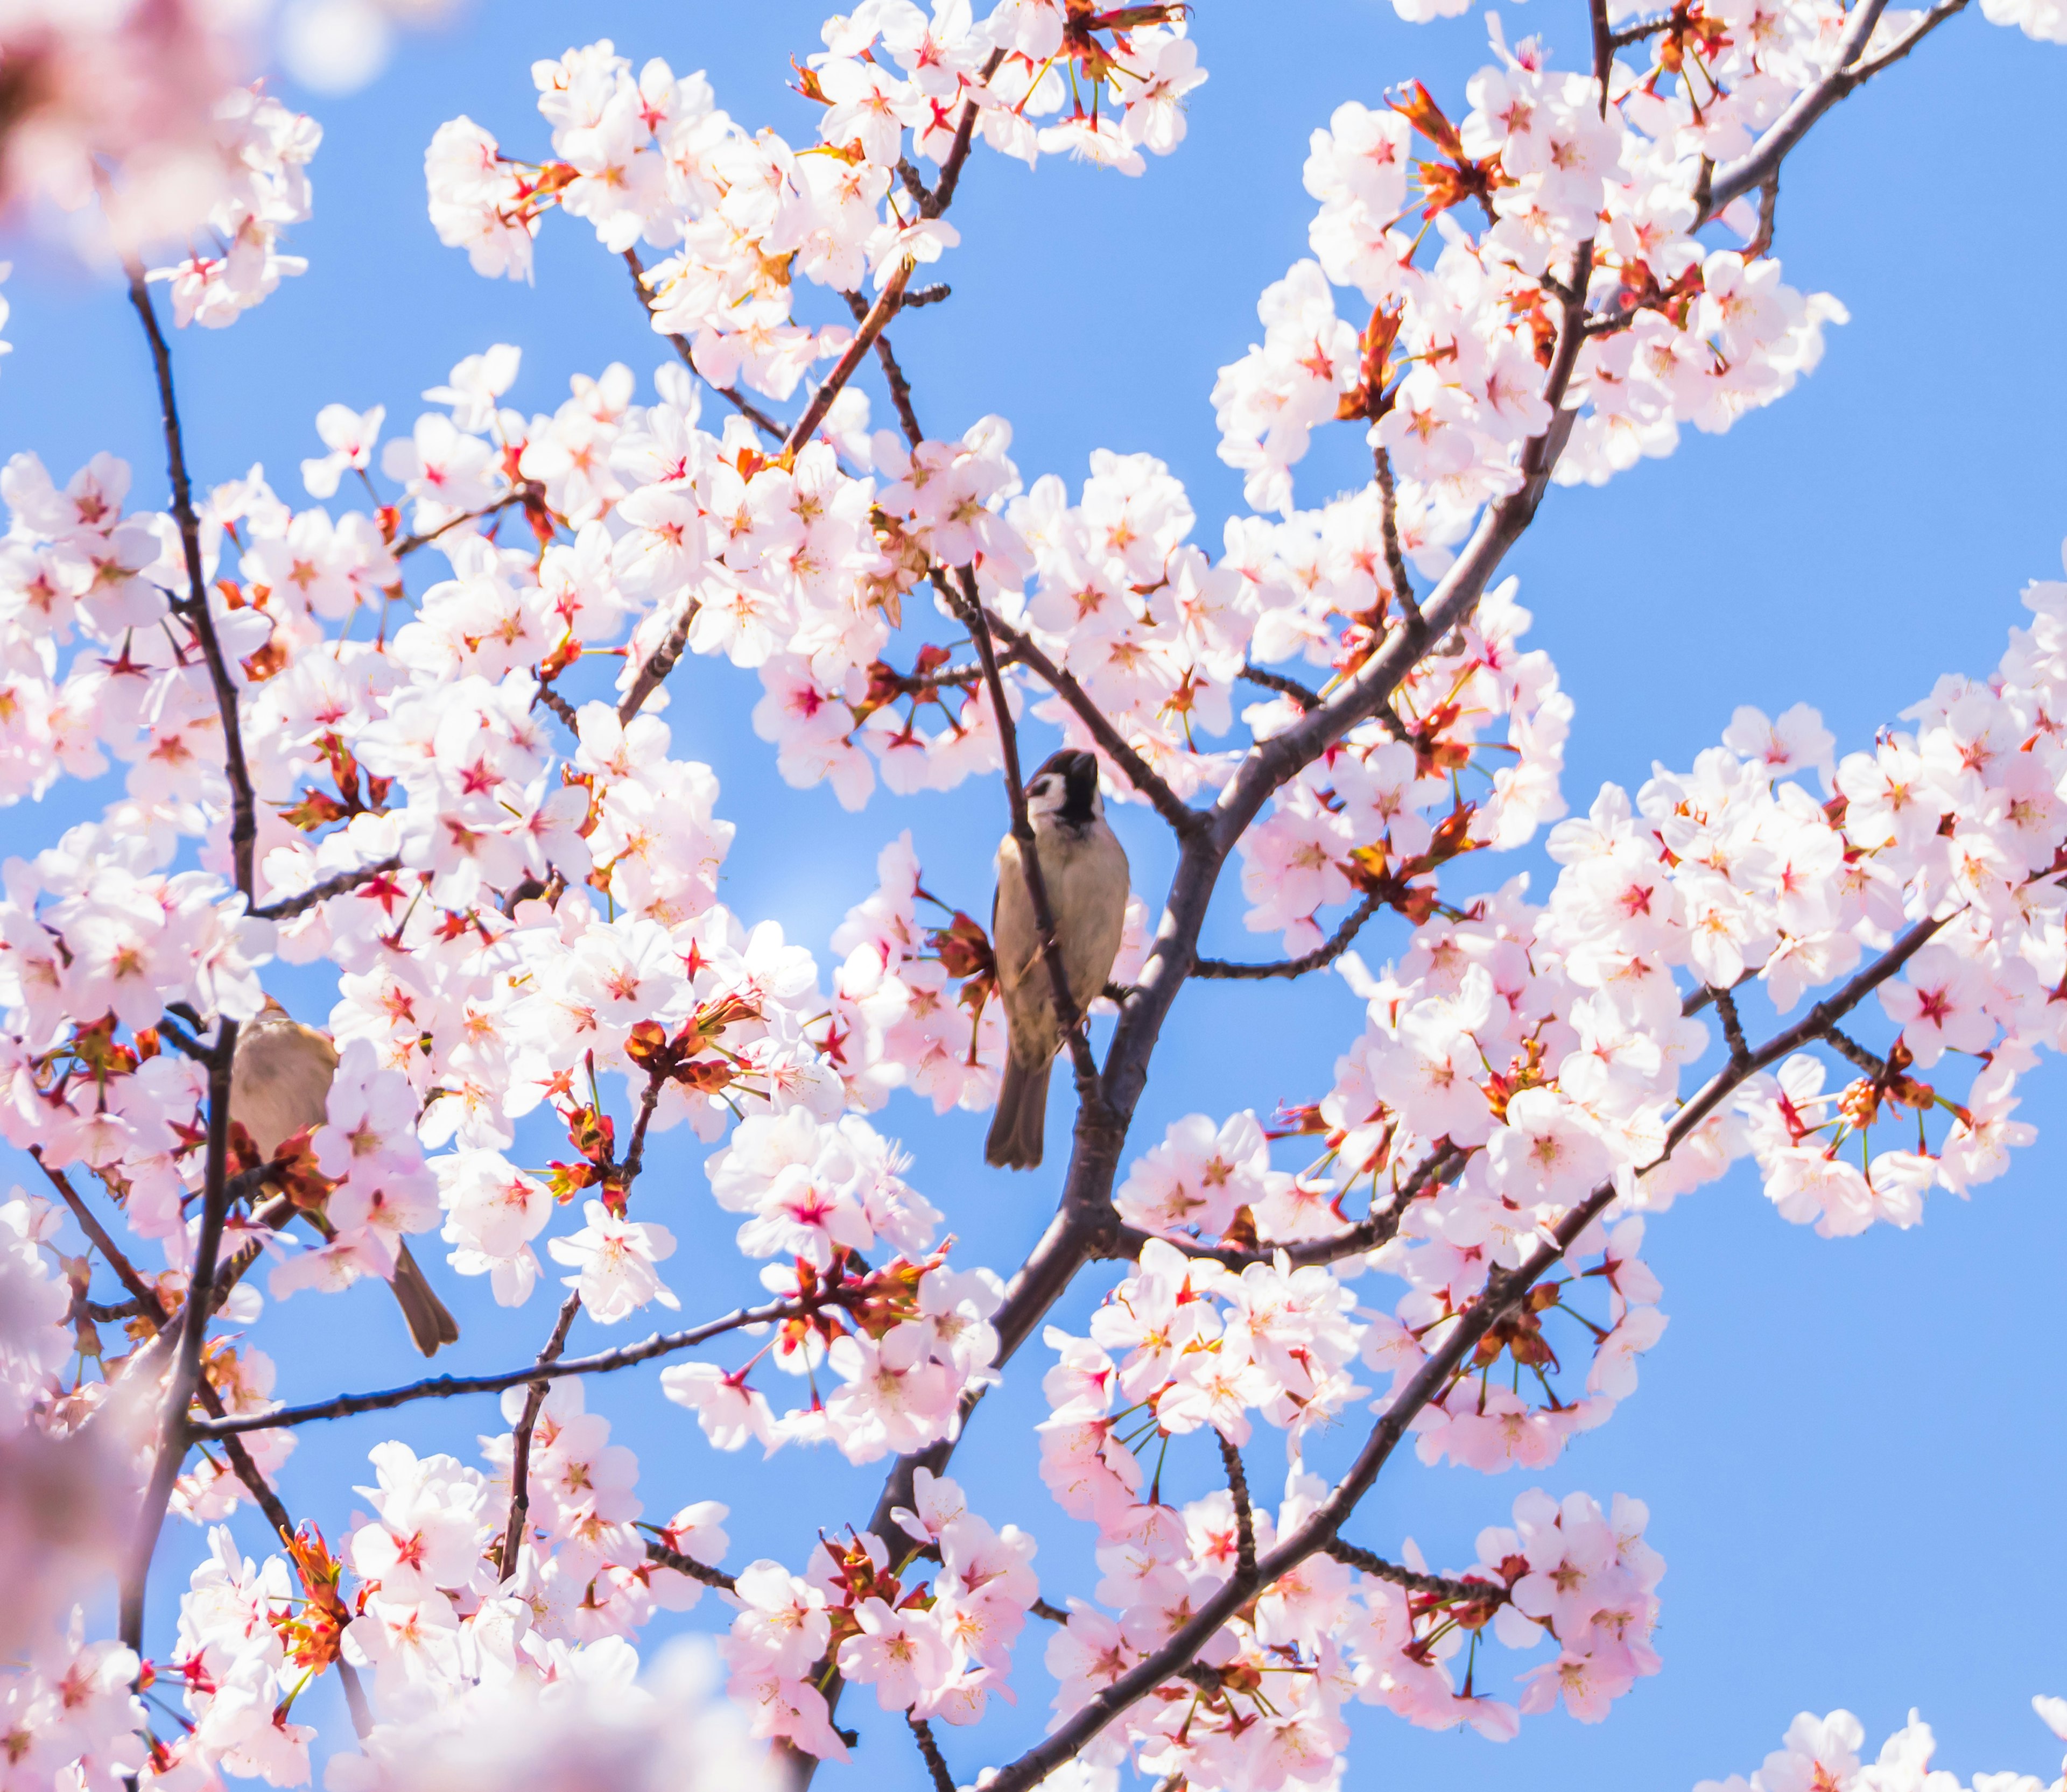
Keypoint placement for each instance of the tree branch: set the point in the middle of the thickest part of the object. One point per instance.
(342, 884)
(936, 1765)
(1300, 694)
(1245, 1520)
(1337, 944)
(175, 1427)
(1442, 1590)
(520, 1452)
(666, 1558)
(901, 387)
(745, 407)
(447, 1387)
(528, 491)
(1395, 558)
(193, 609)
(655, 669)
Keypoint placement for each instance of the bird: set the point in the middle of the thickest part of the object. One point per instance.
(1084, 869)
(279, 1083)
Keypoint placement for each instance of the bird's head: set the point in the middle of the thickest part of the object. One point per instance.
(1065, 792)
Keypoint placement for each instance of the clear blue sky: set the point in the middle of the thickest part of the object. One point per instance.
(1849, 1448)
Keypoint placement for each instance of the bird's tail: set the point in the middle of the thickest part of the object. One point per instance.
(1016, 1128)
(430, 1325)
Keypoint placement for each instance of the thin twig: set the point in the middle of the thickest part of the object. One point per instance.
(175, 1428)
(1245, 1520)
(1054, 1614)
(666, 1558)
(193, 609)
(520, 1452)
(929, 1750)
(1726, 1009)
(528, 492)
(1337, 944)
(343, 883)
(449, 1387)
(1871, 1062)
(1396, 556)
(1768, 209)
(745, 407)
(901, 387)
(651, 675)
(877, 315)
(1441, 1588)
(551, 699)
(1300, 694)
(1604, 48)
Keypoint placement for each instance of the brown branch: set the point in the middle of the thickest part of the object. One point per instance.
(926, 295)
(745, 407)
(1143, 776)
(520, 1452)
(877, 315)
(1300, 694)
(193, 609)
(447, 1387)
(1439, 1587)
(943, 195)
(655, 669)
(175, 1428)
(1337, 944)
(931, 205)
(1054, 1614)
(1873, 1064)
(551, 699)
(1604, 48)
(342, 884)
(1726, 1009)
(530, 491)
(1374, 1230)
(1396, 556)
(666, 1558)
(1768, 209)
(929, 1750)
(901, 387)
(1245, 1520)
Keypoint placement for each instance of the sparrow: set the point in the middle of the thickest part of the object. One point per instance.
(1085, 871)
(279, 1083)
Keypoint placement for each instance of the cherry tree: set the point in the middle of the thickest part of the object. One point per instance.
(415, 728)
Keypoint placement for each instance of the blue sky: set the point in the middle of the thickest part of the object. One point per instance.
(1848, 1448)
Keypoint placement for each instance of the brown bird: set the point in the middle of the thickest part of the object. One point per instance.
(1084, 869)
(279, 1083)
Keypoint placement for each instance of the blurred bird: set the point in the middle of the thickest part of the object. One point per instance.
(279, 1083)
(1085, 871)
